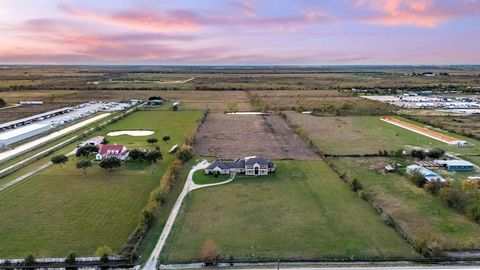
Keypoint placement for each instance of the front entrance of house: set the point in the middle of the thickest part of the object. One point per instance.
(256, 170)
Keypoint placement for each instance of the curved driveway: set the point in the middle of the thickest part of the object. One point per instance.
(152, 262)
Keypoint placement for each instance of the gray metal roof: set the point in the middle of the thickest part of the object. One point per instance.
(240, 163)
(259, 160)
(218, 163)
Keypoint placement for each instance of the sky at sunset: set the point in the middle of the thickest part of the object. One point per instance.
(240, 32)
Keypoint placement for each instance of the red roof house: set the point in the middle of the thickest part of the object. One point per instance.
(112, 150)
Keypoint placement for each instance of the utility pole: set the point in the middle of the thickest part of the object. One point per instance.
(278, 264)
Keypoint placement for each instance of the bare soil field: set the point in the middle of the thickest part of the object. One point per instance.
(233, 136)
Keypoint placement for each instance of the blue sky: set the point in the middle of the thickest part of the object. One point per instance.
(240, 32)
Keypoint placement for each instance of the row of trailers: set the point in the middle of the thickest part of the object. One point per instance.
(18, 130)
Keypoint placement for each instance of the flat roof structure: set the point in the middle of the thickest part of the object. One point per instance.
(7, 135)
(455, 162)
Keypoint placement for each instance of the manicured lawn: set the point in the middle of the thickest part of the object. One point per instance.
(200, 178)
(61, 209)
(303, 211)
(420, 215)
(368, 135)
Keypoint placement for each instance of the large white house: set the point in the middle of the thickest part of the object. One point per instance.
(249, 165)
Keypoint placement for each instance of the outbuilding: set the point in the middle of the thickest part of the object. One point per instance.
(97, 140)
(428, 174)
(456, 165)
(21, 133)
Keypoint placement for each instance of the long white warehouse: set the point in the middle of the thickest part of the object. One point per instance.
(22, 133)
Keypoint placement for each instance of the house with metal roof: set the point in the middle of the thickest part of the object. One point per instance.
(249, 166)
(428, 174)
(456, 165)
(112, 151)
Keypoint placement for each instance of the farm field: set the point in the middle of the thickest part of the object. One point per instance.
(421, 216)
(61, 209)
(303, 211)
(54, 99)
(325, 102)
(359, 135)
(229, 78)
(234, 136)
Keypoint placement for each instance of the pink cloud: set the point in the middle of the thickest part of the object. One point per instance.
(189, 21)
(423, 13)
(170, 21)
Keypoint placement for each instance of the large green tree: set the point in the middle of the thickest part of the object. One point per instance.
(84, 164)
(59, 160)
(152, 140)
(153, 156)
(110, 163)
(86, 150)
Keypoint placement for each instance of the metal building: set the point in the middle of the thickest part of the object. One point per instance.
(21, 133)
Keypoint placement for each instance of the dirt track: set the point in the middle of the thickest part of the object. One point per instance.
(233, 136)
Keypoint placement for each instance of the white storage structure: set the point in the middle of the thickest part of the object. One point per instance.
(21, 133)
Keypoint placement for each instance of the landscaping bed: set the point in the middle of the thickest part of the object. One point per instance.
(200, 178)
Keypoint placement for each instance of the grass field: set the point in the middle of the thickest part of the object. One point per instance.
(367, 135)
(292, 214)
(419, 214)
(200, 178)
(61, 209)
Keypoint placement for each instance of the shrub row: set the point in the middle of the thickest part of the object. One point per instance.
(190, 139)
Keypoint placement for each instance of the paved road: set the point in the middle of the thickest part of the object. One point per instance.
(416, 267)
(189, 186)
(326, 266)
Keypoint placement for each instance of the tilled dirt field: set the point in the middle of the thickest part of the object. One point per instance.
(232, 136)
